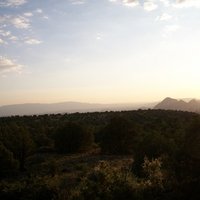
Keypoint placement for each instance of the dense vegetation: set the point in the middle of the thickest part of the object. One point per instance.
(143, 154)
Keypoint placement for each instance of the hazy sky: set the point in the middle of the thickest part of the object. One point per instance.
(105, 51)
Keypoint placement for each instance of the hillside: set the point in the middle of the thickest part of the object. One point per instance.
(87, 156)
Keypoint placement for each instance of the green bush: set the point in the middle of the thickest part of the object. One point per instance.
(53, 167)
(107, 183)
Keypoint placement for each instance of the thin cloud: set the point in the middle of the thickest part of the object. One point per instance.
(131, 3)
(7, 33)
(13, 38)
(45, 17)
(186, 3)
(7, 65)
(18, 22)
(4, 76)
(163, 17)
(99, 36)
(32, 41)
(149, 6)
(8, 3)
(3, 26)
(2, 42)
(171, 28)
(165, 2)
(168, 30)
(28, 14)
(78, 2)
(38, 10)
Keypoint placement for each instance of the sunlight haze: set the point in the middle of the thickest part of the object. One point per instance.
(98, 51)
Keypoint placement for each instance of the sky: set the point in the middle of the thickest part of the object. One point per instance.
(99, 51)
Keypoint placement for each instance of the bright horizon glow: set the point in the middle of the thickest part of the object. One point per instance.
(108, 51)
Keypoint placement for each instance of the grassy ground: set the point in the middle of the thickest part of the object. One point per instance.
(73, 164)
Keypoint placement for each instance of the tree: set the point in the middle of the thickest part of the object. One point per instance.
(192, 140)
(119, 136)
(8, 165)
(23, 146)
(191, 151)
(153, 146)
(73, 138)
(19, 142)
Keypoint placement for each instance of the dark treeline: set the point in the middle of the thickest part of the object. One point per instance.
(143, 154)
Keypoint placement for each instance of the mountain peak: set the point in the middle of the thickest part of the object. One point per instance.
(173, 104)
(169, 99)
(193, 101)
(166, 103)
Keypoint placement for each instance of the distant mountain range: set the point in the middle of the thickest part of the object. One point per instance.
(191, 105)
(67, 107)
(173, 104)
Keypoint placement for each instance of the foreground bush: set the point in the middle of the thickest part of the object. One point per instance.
(111, 183)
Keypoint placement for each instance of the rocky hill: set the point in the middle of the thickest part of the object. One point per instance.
(174, 104)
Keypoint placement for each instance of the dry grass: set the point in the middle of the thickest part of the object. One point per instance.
(76, 164)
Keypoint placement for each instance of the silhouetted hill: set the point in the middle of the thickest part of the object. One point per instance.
(66, 107)
(174, 104)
